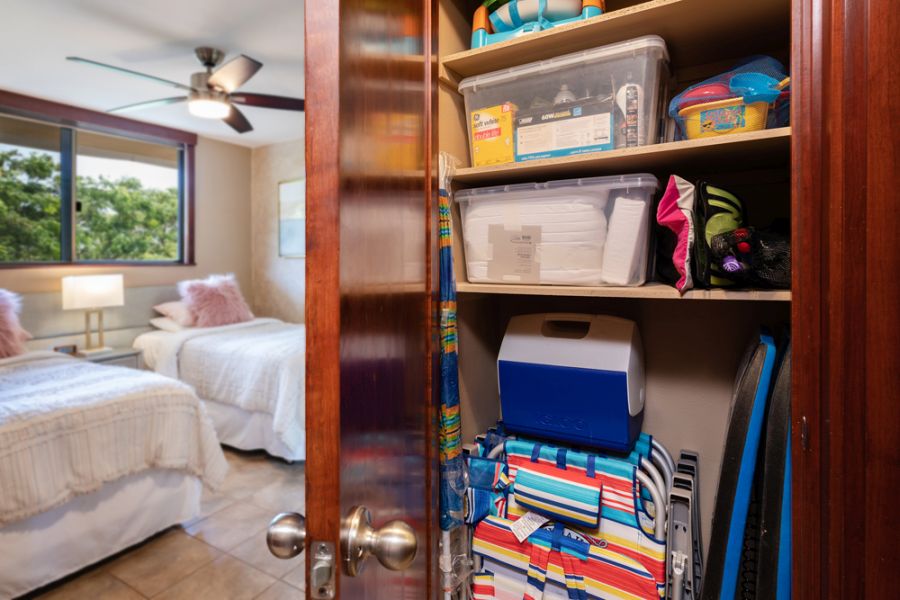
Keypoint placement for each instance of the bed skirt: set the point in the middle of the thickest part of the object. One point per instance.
(249, 430)
(88, 528)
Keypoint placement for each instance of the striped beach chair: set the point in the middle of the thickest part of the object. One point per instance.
(554, 562)
(625, 526)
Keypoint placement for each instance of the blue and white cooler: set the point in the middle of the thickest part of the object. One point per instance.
(573, 378)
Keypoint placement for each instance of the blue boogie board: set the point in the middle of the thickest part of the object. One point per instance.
(773, 576)
(748, 412)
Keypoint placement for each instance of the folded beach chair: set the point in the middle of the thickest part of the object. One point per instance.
(554, 562)
(542, 478)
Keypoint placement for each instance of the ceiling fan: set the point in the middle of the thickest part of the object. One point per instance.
(212, 94)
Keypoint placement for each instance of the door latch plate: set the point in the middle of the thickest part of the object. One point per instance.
(321, 571)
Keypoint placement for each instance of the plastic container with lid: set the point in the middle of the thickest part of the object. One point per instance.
(591, 232)
(600, 99)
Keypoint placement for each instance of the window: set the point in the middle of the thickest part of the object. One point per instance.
(75, 196)
(30, 224)
(127, 199)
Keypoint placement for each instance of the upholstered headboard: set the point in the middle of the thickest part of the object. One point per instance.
(43, 316)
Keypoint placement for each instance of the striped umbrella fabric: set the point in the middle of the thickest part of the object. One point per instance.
(453, 487)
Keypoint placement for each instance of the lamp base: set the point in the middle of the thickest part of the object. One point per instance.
(94, 351)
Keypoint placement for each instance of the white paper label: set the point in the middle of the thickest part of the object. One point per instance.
(514, 254)
(526, 525)
(583, 132)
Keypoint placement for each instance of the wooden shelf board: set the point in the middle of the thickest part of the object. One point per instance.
(696, 32)
(769, 147)
(650, 291)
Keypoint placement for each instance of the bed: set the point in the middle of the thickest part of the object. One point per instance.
(250, 375)
(93, 459)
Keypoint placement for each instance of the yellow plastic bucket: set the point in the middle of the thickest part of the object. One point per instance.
(723, 117)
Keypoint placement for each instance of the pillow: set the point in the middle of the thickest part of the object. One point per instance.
(178, 311)
(166, 324)
(12, 336)
(215, 301)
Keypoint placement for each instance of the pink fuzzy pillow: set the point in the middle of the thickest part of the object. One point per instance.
(215, 301)
(12, 336)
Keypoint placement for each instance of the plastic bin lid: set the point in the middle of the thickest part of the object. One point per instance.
(554, 64)
(613, 182)
(634, 180)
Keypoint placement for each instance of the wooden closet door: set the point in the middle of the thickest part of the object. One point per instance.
(846, 298)
(369, 281)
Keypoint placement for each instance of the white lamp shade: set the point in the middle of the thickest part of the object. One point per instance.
(92, 291)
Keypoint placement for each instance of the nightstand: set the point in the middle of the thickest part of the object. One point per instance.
(121, 357)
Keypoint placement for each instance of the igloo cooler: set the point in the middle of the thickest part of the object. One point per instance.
(573, 378)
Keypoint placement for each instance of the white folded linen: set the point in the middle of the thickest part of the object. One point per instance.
(572, 236)
(626, 242)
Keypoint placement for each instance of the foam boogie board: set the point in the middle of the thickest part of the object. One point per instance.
(773, 576)
(748, 412)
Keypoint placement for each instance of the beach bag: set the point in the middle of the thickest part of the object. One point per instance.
(723, 212)
(683, 258)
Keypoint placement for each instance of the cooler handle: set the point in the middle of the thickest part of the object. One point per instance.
(548, 329)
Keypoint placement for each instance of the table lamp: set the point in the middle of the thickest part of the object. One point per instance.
(92, 293)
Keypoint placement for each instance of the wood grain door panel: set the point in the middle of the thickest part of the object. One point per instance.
(369, 304)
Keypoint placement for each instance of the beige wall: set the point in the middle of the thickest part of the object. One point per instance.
(223, 238)
(279, 284)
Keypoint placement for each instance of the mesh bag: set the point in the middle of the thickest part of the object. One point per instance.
(720, 87)
(752, 257)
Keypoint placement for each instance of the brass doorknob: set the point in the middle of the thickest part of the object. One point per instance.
(394, 545)
(286, 535)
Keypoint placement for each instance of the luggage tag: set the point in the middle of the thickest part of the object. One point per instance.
(526, 525)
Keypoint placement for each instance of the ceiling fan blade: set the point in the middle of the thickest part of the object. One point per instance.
(174, 84)
(148, 104)
(267, 101)
(234, 73)
(237, 121)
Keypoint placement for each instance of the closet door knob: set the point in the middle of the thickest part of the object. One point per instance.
(286, 536)
(394, 545)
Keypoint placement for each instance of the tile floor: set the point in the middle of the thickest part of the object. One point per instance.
(220, 555)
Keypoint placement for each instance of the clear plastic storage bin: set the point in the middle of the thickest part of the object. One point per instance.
(591, 231)
(588, 101)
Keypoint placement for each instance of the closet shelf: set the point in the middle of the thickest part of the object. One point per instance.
(696, 32)
(756, 149)
(650, 291)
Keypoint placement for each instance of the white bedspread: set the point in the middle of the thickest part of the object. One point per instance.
(68, 426)
(258, 366)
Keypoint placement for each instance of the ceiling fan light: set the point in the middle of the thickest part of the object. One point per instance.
(206, 108)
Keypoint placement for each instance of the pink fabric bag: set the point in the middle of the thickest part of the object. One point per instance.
(676, 212)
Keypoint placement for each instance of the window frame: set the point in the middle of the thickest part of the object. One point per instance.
(70, 119)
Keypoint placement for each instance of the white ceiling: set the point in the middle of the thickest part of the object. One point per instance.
(156, 37)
